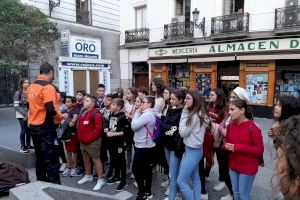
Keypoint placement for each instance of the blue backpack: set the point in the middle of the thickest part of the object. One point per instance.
(155, 135)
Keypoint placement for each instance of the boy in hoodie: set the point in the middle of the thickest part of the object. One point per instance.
(118, 124)
(89, 136)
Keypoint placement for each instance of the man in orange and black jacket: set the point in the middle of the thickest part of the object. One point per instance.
(43, 119)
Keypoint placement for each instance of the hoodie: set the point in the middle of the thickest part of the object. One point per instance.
(193, 135)
(141, 138)
(170, 128)
(118, 123)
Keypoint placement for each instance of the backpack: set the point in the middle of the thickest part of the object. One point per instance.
(261, 156)
(11, 175)
(156, 134)
(92, 118)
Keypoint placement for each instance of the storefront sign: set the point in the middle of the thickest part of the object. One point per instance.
(229, 78)
(82, 47)
(86, 65)
(66, 81)
(233, 47)
(64, 40)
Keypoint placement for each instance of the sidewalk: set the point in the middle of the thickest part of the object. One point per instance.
(9, 138)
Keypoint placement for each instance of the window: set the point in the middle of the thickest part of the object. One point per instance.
(83, 12)
(233, 6)
(179, 7)
(141, 17)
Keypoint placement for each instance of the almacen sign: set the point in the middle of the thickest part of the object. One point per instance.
(233, 47)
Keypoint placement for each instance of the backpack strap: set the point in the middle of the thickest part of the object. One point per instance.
(152, 135)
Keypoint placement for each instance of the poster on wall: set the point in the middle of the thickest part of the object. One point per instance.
(257, 87)
(203, 82)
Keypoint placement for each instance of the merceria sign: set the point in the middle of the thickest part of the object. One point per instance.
(82, 47)
(233, 47)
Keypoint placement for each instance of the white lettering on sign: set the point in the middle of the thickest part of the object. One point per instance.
(81, 47)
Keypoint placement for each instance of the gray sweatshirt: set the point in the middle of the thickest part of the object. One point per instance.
(193, 135)
(141, 138)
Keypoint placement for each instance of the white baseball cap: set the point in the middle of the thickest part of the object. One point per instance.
(242, 94)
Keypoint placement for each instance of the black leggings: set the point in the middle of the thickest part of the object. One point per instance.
(142, 170)
(118, 161)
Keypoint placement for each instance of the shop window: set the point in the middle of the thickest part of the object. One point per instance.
(233, 6)
(257, 87)
(83, 12)
(203, 83)
(179, 75)
(179, 7)
(288, 84)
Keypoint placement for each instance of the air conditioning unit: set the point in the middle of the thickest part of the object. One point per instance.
(178, 19)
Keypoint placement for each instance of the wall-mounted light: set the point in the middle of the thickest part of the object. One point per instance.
(53, 4)
(199, 25)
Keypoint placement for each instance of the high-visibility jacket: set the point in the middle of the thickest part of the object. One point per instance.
(43, 103)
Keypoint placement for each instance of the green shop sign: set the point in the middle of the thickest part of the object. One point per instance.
(233, 47)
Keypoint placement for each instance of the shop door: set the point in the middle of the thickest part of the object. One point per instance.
(79, 78)
(141, 80)
(94, 81)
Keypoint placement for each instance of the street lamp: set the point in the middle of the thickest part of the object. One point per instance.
(53, 4)
(199, 25)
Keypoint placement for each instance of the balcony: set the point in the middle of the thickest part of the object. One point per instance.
(287, 20)
(83, 17)
(137, 35)
(179, 31)
(230, 26)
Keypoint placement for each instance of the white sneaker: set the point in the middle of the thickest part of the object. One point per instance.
(73, 172)
(167, 198)
(63, 166)
(219, 186)
(165, 184)
(99, 185)
(86, 178)
(66, 172)
(167, 191)
(204, 196)
(227, 197)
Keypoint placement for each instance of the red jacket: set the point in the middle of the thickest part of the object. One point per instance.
(248, 146)
(89, 130)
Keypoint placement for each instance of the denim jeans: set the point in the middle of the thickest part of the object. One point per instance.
(25, 133)
(189, 169)
(173, 162)
(241, 185)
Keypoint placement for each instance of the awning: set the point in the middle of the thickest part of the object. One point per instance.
(212, 59)
(269, 57)
(168, 61)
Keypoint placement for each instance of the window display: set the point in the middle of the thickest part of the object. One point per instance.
(179, 75)
(289, 84)
(203, 83)
(257, 87)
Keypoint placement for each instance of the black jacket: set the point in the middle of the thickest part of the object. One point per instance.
(117, 123)
(169, 129)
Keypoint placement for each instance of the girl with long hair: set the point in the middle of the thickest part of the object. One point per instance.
(171, 140)
(244, 143)
(192, 126)
(157, 89)
(215, 107)
(20, 105)
(167, 105)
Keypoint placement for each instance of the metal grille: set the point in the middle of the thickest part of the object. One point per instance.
(178, 30)
(288, 17)
(236, 23)
(137, 35)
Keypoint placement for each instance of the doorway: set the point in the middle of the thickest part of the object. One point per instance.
(140, 74)
(228, 76)
(179, 75)
(79, 80)
(94, 81)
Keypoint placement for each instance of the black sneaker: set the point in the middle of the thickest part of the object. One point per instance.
(113, 181)
(24, 149)
(80, 171)
(121, 186)
(139, 197)
(30, 147)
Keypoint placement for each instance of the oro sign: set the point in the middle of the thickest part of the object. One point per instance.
(83, 47)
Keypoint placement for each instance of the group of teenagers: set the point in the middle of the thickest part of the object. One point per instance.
(181, 131)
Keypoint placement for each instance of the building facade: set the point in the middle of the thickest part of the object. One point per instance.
(87, 52)
(221, 43)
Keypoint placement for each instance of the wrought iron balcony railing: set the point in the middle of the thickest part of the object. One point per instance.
(137, 35)
(288, 17)
(235, 23)
(179, 30)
